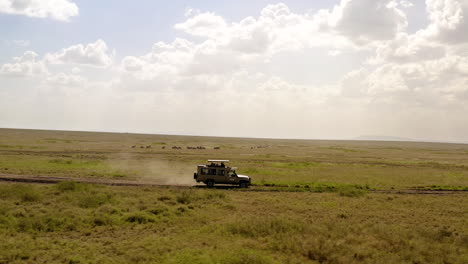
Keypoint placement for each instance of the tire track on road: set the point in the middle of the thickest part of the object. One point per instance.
(53, 180)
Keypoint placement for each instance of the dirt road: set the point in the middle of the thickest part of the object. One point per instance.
(51, 179)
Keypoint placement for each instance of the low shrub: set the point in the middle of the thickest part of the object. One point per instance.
(185, 197)
(93, 199)
(351, 191)
(257, 227)
(159, 210)
(24, 192)
(214, 195)
(234, 256)
(248, 257)
(30, 196)
(164, 198)
(139, 218)
(65, 186)
(40, 224)
(101, 220)
(61, 161)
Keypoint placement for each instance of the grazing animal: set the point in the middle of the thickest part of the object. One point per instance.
(216, 148)
(149, 146)
(133, 146)
(163, 147)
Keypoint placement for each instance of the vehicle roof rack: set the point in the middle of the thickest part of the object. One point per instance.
(218, 160)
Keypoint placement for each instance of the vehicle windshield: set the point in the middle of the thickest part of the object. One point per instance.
(233, 174)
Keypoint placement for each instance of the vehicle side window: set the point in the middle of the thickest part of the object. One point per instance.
(204, 171)
(220, 172)
(212, 172)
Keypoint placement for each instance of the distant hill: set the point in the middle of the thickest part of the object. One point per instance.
(384, 138)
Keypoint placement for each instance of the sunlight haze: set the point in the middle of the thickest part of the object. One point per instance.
(292, 69)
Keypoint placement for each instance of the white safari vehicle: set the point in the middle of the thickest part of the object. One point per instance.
(217, 172)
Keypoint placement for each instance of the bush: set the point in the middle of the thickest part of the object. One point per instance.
(159, 210)
(215, 195)
(30, 196)
(24, 192)
(351, 191)
(263, 227)
(61, 161)
(139, 217)
(40, 224)
(101, 219)
(185, 197)
(93, 199)
(65, 186)
(164, 198)
(234, 256)
(248, 257)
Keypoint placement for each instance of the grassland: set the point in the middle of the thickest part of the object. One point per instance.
(380, 165)
(334, 219)
(77, 223)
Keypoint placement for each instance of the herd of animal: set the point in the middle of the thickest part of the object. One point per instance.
(173, 147)
(148, 146)
(190, 147)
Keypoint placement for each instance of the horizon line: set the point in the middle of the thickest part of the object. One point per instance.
(410, 140)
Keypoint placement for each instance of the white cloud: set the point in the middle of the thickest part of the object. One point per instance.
(76, 70)
(406, 3)
(449, 20)
(65, 80)
(334, 53)
(57, 9)
(430, 83)
(408, 48)
(363, 21)
(204, 24)
(92, 54)
(25, 65)
(247, 69)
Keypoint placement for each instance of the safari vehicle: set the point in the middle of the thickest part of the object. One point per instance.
(216, 172)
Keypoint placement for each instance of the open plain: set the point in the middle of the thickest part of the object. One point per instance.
(313, 201)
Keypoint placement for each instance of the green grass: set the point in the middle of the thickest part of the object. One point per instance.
(312, 201)
(74, 222)
(11, 146)
(382, 165)
(342, 149)
(69, 166)
(297, 165)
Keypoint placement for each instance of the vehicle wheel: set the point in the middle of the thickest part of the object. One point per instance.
(243, 185)
(210, 183)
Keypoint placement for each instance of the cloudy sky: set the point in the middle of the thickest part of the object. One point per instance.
(294, 69)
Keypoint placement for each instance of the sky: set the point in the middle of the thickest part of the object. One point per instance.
(335, 69)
